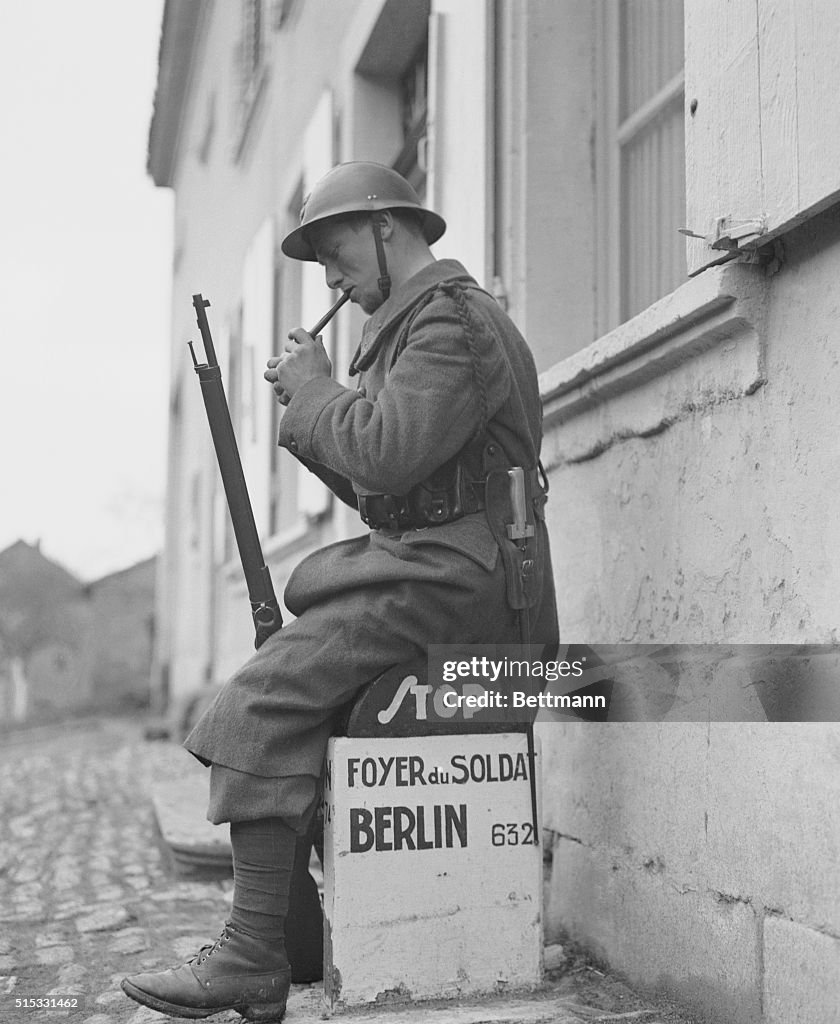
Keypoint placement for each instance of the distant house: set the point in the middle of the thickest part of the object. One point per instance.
(66, 645)
(46, 628)
(122, 604)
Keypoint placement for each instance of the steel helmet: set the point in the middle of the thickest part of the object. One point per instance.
(358, 187)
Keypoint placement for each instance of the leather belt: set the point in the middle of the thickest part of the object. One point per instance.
(399, 512)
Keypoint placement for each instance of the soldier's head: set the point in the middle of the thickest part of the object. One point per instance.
(365, 224)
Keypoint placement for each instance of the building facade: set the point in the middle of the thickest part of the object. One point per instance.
(650, 189)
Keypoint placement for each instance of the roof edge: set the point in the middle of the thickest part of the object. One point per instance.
(178, 40)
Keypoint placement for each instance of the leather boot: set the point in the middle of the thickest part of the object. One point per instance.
(236, 972)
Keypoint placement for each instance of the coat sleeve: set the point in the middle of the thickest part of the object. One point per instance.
(449, 379)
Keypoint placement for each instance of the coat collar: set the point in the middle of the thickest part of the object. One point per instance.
(398, 304)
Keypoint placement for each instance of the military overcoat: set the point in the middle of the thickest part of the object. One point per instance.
(442, 370)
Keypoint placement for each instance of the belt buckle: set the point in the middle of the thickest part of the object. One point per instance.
(392, 508)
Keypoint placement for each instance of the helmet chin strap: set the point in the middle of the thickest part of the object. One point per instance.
(385, 278)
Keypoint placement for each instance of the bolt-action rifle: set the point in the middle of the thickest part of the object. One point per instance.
(264, 607)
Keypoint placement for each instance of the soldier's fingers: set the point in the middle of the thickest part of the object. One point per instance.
(293, 345)
(297, 337)
(273, 374)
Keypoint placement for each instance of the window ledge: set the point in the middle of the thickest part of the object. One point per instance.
(697, 347)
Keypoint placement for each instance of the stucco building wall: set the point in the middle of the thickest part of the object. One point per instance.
(701, 857)
(718, 527)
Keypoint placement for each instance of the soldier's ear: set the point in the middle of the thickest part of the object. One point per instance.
(386, 224)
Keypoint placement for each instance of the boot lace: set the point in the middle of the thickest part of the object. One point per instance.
(211, 947)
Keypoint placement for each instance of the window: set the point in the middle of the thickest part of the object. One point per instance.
(640, 156)
(251, 69)
(763, 153)
(283, 485)
(257, 344)
(314, 499)
(252, 46)
(411, 162)
(194, 522)
(233, 387)
(392, 86)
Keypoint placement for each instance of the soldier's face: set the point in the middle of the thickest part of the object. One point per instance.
(347, 253)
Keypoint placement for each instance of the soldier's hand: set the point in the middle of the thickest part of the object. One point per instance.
(304, 358)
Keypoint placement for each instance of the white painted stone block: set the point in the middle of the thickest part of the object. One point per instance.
(432, 880)
(801, 974)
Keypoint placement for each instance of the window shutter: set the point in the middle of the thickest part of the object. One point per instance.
(313, 496)
(220, 517)
(761, 151)
(255, 431)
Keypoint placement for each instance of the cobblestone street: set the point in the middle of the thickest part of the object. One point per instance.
(85, 892)
(88, 894)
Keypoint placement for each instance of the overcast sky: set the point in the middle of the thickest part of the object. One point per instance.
(85, 256)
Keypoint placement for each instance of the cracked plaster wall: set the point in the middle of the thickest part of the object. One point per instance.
(677, 843)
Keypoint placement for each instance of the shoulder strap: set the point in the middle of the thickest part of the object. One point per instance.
(456, 291)
(408, 323)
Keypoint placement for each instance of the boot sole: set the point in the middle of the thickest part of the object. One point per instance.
(267, 1013)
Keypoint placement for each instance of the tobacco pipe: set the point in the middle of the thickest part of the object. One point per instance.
(325, 319)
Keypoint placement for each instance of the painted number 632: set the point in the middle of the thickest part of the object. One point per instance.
(512, 834)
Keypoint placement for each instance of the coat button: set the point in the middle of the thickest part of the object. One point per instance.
(293, 445)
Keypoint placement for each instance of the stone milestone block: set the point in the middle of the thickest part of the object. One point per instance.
(432, 876)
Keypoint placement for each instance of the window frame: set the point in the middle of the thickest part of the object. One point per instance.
(612, 135)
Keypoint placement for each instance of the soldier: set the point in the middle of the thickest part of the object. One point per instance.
(446, 400)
